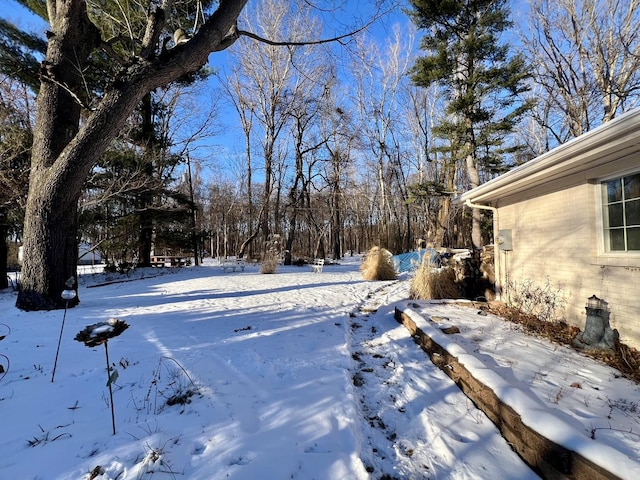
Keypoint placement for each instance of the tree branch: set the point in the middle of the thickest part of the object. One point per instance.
(109, 50)
(338, 39)
(152, 33)
(47, 76)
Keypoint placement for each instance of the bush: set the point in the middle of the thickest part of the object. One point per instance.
(122, 267)
(544, 302)
(269, 263)
(431, 283)
(378, 265)
(271, 257)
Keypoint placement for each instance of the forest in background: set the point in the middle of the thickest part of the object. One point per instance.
(341, 146)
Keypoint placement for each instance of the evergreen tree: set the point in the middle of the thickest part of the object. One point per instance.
(15, 145)
(83, 84)
(19, 70)
(482, 85)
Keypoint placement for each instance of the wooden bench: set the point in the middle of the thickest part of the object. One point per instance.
(317, 265)
(233, 265)
(169, 260)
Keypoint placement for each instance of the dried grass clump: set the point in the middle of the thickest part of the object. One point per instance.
(378, 265)
(271, 257)
(269, 263)
(431, 283)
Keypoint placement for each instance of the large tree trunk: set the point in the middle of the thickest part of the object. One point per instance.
(50, 244)
(51, 253)
(4, 280)
(63, 155)
(442, 221)
(145, 198)
(476, 214)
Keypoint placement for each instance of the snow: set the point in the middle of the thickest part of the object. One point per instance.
(293, 375)
(556, 413)
(103, 328)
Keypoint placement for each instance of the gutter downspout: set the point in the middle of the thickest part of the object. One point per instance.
(496, 250)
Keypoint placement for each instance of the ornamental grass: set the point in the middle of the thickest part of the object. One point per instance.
(432, 283)
(378, 265)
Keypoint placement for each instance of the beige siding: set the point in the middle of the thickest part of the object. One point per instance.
(555, 239)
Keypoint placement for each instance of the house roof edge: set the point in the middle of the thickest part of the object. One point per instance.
(568, 154)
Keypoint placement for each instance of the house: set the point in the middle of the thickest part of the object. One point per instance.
(570, 220)
(87, 254)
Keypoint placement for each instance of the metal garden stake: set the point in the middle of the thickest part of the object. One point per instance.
(67, 294)
(100, 333)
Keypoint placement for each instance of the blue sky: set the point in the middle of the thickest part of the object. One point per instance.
(18, 15)
(355, 14)
(229, 143)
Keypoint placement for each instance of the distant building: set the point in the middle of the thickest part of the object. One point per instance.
(570, 219)
(87, 255)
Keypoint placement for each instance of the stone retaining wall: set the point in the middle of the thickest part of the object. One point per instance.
(548, 459)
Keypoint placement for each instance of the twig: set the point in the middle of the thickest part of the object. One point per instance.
(594, 429)
(183, 370)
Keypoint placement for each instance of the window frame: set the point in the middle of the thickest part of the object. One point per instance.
(606, 256)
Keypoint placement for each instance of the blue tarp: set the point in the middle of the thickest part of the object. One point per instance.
(406, 262)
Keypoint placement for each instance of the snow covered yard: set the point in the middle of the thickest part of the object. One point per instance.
(288, 376)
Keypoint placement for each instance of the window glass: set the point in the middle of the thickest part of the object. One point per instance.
(615, 215)
(616, 240)
(633, 239)
(614, 190)
(632, 213)
(632, 187)
(621, 213)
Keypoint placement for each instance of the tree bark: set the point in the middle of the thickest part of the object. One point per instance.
(476, 214)
(442, 221)
(4, 280)
(145, 198)
(50, 244)
(64, 154)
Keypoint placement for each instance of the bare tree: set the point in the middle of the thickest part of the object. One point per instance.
(15, 144)
(243, 105)
(266, 83)
(340, 137)
(64, 151)
(266, 72)
(380, 71)
(587, 57)
(309, 104)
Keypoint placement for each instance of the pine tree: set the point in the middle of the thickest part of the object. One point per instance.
(482, 85)
(88, 57)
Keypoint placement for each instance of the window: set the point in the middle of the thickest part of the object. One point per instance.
(621, 212)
